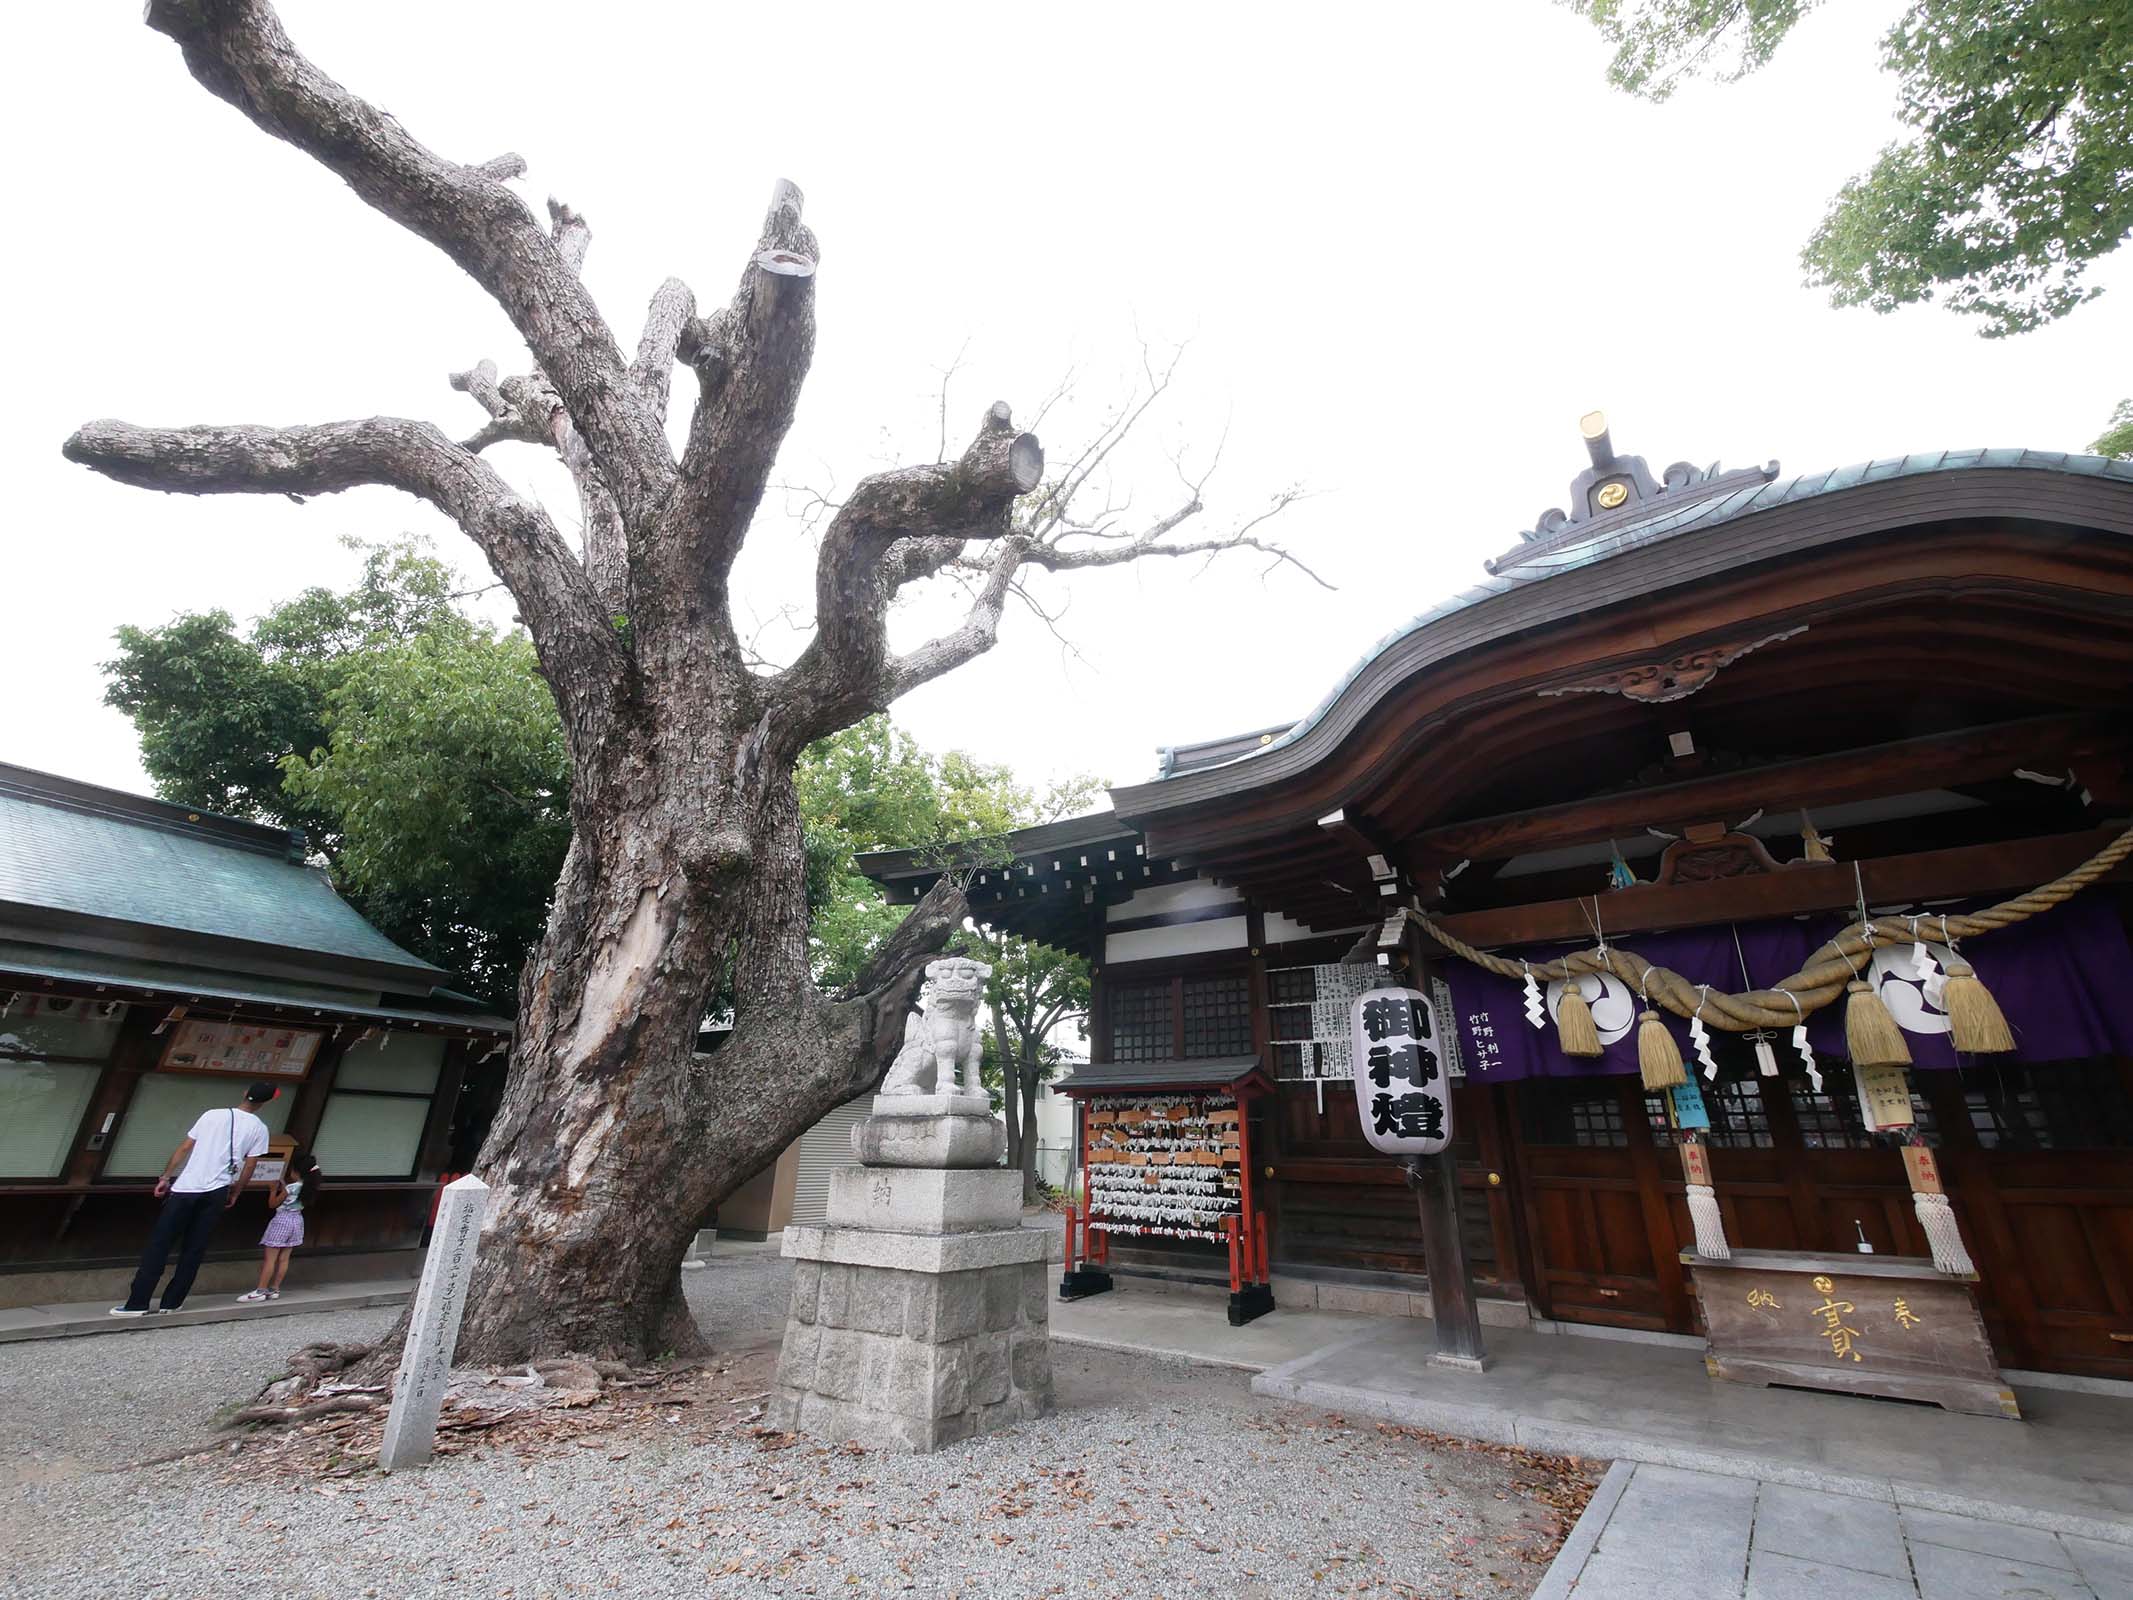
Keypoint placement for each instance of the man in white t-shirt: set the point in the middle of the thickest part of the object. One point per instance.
(203, 1179)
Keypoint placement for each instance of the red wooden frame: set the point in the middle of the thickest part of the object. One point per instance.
(1245, 1233)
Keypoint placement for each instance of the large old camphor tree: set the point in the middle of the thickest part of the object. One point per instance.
(684, 877)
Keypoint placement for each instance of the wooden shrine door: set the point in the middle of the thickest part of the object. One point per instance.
(2038, 1161)
(1596, 1215)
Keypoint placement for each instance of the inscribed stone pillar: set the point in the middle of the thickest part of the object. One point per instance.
(433, 1330)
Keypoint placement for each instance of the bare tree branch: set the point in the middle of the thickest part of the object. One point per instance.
(576, 645)
(940, 451)
(1054, 558)
(673, 308)
(751, 358)
(895, 527)
(974, 635)
(239, 51)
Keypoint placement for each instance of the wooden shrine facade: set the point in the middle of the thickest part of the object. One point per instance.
(155, 960)
(1656, 715)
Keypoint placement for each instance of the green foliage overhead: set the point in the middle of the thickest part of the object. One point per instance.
(415, 747)
(1659, 43)
(2018, 173)
(2116, 440)
(871, 787)
(446, 777)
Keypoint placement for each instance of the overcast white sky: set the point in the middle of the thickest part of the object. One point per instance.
(1410, 245)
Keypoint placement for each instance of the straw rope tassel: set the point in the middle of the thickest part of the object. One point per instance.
(1658, 1057)
(1703, 1199)
(1574, 1025)
(1871, 1036)
(1975, 1021)
(1935, 1215)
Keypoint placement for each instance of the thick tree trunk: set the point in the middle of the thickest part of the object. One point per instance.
(1010, 1076)
(1028, 1163)
(615, 1136)
(589, 1217)
(685, 868)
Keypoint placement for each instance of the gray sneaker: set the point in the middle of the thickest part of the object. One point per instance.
(145, 1311)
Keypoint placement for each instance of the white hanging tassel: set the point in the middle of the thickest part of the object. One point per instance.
(1536, 1007)
(1766, 1061)
(1937, 1217)
(1710, 1227)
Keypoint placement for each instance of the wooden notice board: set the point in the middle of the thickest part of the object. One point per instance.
(241, 1049)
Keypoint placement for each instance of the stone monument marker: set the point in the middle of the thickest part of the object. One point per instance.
(433, 1330)
(920, 1312)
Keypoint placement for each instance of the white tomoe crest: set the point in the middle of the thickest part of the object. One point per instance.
(1614, 1007)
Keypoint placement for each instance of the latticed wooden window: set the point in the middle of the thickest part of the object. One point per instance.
(1291, 986)
(1830, 1120)
(1596, 1121)
(1588, 1115)
(1218, 1016)
(1662, 1125)
(1289, 1022)
(1738, 1120)
(1140, 1022)
(2060, 1105)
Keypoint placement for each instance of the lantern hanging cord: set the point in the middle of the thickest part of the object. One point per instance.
(1815, 985)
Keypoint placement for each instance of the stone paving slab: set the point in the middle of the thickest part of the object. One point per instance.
(1196, 1328)
(94, 1316)
(2063, 1470)
(1657, 1533)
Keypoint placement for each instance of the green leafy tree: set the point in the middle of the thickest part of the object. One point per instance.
(1036, 997)
(421, 753)
(217, 711)
(2017, 175)
(2117, 440)
(416, 748)
(445, 776)
(870, 787)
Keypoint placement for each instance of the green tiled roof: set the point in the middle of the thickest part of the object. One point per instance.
(87, 852)
(166, 980)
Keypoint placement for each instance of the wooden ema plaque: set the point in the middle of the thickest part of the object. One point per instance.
(1168, 1164)
(1165, 1165)
(1851, 1324)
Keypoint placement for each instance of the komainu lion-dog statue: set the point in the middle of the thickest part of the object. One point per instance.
(943, 1034)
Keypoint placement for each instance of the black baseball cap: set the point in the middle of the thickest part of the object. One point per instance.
(260, 1093)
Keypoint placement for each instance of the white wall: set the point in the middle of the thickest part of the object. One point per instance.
(1185, 939)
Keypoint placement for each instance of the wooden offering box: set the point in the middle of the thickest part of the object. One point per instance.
(1852, 1324)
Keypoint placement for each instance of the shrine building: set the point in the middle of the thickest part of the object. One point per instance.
(1701, 722)
(154, 960)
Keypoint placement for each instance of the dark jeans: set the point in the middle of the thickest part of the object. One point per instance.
(188, 1222)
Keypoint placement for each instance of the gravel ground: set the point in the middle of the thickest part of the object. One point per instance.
(1151, 1478)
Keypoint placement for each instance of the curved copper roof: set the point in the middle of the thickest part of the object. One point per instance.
(1761, 520)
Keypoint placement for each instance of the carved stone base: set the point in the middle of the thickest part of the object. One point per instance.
(931, 1130)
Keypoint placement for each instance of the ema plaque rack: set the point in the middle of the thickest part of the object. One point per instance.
(1168, 1161)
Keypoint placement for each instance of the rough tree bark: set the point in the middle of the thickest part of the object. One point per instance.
(685, 868)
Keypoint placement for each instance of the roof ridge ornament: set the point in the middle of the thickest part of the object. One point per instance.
(1617, 491)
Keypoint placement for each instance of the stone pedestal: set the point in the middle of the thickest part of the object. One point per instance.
(931, 1130)
(920, 1311)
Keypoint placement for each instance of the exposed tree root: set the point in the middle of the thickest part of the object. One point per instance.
(315, 1384)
